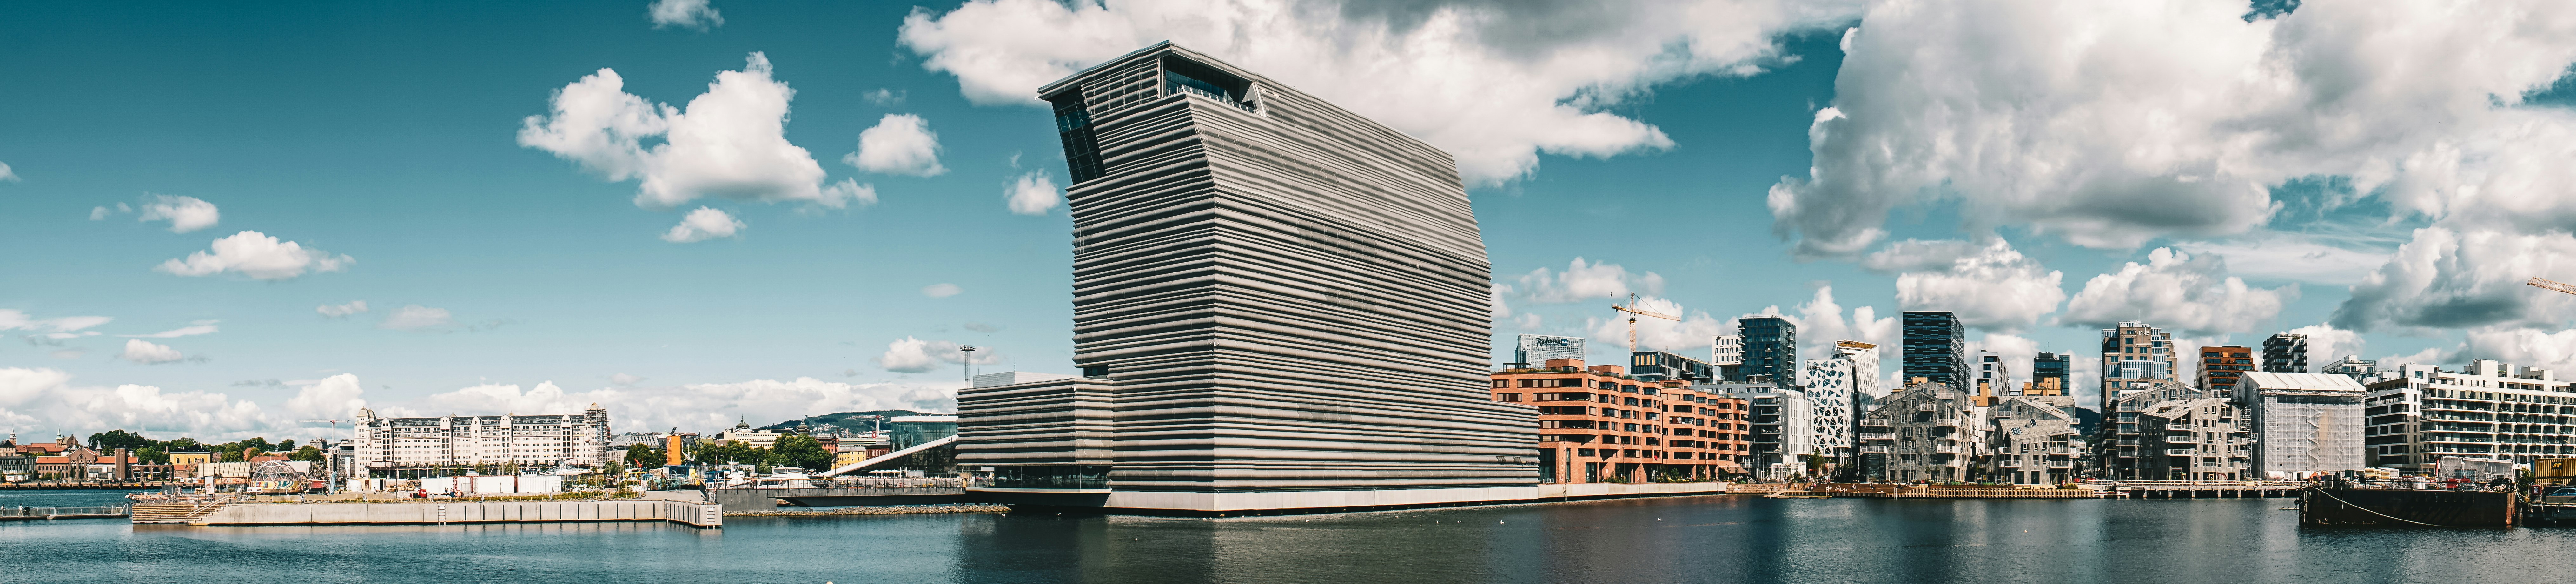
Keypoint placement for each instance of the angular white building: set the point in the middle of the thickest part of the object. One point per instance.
(1278, 304)
(2489, 409)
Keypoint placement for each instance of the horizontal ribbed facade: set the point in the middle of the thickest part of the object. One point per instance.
(1280, 295)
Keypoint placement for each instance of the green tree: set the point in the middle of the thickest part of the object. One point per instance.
(152, 455)
(800, 451)
(307, 454)
(644, 456)
(114, 439)
(285, 446)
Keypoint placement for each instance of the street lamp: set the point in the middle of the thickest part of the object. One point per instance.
(966, 353)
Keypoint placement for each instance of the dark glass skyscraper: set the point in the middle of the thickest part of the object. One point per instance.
(1770, 348)
(2051, 366)
(1936, 347)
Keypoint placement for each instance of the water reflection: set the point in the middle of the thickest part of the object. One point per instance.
(1704, 539)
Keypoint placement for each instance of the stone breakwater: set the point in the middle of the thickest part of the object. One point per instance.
(876, 510)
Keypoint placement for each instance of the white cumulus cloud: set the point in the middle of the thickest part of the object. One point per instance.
(2175, 290)
(691, 14)
(1990, 285)
(941, 290)
(6, 174)
(185, 214)
(341, 310)
(337, 397)
(898, 144)
(704, 224)
(1587, 281)
(1430, 69)
(145, 352)
(729, 142)
(1033, 194)
(255, 254)
(2112, 125)
(2327, 344)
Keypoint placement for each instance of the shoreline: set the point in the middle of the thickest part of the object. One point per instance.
(880, 510)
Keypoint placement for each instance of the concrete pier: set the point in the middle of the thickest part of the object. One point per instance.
(693, 514)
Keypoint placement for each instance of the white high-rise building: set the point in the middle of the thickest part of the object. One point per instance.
(1840, 389)
(389, 446)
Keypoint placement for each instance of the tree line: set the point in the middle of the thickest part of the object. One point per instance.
(150, 451)
(795, 450)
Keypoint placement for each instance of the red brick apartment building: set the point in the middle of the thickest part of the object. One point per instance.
(1597, 424)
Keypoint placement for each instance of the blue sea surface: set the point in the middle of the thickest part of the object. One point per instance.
(1691, 539)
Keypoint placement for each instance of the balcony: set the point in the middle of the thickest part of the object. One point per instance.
(2182, 439)
(2128, 442)
(1927, 407)
(2178, 452)
(2061, 452)
(1950, 449)
(2061, 464)
(1867, 436)
(1874, 449)
(1945, 421)
(2010, 463)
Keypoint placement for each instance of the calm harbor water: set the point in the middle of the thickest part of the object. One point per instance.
(1696, 539)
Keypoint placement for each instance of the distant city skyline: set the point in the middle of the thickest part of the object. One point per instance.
(227, 222)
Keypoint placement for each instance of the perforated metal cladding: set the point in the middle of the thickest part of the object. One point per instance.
(1287, 298)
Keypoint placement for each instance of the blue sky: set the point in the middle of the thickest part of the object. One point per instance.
(391, 135)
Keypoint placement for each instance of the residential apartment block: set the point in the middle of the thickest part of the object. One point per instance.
(2221, 366)
(2203, 439)
(2285, 353)
(1783, 438)
(2033, 440)
(2115, 447)
(1928, 431)
(1597, 424)
(2488, 409)
(392, 447)
(2134, 357)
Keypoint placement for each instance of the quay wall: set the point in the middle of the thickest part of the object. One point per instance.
(439, 512)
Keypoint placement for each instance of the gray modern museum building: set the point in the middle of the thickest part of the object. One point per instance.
(1278, 304)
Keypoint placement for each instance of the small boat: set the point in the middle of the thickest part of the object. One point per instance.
(1798, 495)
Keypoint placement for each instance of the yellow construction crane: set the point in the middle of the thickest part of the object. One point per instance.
(2552, 285)
(1632, 319)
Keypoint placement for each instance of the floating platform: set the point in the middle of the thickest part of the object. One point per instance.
(2348, 507)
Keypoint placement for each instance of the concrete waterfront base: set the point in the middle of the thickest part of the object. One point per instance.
(443, 512)
(1229, 504)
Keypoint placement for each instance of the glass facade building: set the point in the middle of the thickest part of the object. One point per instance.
(1935, 348)
(1770, 349)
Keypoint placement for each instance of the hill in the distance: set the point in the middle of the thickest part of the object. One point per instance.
(845, 420)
